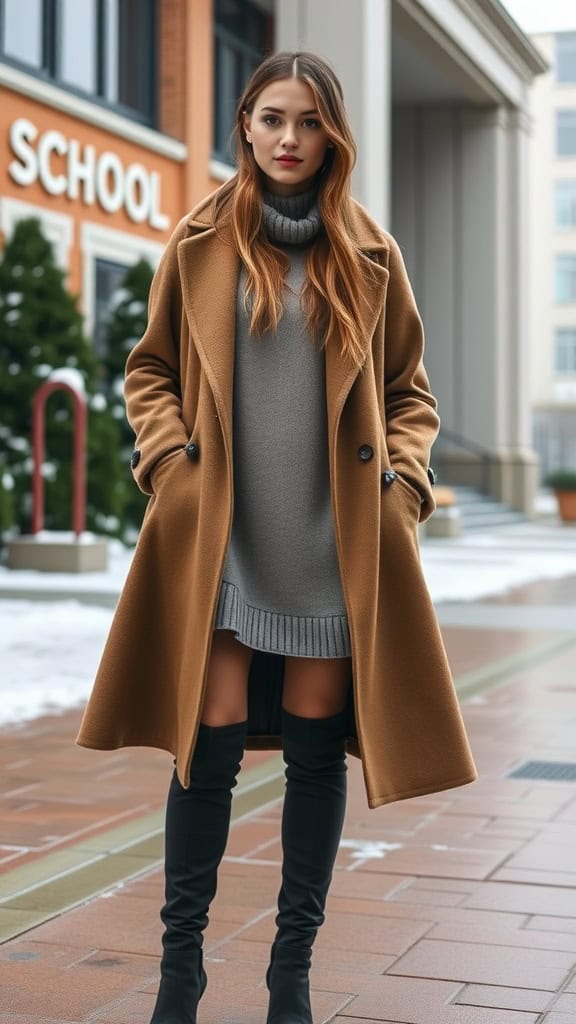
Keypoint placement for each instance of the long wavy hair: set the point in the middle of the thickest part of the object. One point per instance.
(332, 294)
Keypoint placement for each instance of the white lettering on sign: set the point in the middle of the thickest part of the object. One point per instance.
(94, 179)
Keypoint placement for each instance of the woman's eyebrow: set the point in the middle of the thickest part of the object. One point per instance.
(277, 110)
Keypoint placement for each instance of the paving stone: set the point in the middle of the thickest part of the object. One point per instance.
(526, 899)
(534, 877)
(440, 860)
(343, 931)
(561, 925)
(566, 1003)
(488, 932)
(418, 1001)
(486, 964)
(503, 998)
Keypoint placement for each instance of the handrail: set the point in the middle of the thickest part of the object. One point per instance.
(484, 454)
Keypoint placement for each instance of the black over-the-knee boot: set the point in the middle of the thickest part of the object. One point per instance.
(197, 825)
(312, 820)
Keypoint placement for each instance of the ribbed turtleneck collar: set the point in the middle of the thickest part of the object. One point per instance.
(291, 219)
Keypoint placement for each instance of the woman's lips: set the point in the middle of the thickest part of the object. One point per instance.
(288, 160)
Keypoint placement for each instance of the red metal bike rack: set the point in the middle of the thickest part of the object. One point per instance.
(38, 451)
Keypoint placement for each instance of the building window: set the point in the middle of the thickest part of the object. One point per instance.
(566, 57)
(22, 31)
(78, 38)
(242, 35)
(566, 277)
(109, 278)
(566, 132)
(565, 350)
(565, 194)
(103, 48)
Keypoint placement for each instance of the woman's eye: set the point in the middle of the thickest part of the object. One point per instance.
(270, 119)
(311, 121)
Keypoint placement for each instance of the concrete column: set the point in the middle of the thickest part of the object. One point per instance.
(460, 216)
(424, 174)
(355, 39)
(491, 315)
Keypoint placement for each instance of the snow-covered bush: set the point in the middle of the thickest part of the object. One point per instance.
(42, 337)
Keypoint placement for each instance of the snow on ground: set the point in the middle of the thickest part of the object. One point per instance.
(50, 649)
(49, 654)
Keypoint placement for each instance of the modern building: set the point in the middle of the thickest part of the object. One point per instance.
(115, 120)
(553, 253)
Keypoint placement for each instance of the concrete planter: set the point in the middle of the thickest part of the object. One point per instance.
(566, 505)
(54, 554)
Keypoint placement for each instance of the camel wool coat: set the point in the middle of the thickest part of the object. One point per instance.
(403, 714)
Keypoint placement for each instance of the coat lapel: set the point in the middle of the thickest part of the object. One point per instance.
(340, 372)
(209, 268)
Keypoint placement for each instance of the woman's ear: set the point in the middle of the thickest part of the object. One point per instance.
(246, 123)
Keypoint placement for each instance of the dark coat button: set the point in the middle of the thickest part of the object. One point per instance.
(135, 458)
(388, 477)
(431, 475)
(192, 450)
(365, 452)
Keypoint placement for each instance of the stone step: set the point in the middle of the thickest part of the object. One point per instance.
(482, 512)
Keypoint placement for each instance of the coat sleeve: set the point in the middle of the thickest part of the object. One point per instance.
(412, 422)
(152, 379)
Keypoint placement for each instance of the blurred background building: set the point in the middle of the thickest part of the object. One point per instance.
(553, 253)
(116, 116)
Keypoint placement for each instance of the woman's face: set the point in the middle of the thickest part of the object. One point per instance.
(287, 137)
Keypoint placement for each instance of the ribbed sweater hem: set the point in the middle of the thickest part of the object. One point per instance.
(301, 636)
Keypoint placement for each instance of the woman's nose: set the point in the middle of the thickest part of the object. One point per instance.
(290, 138)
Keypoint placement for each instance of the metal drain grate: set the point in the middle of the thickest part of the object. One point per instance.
(556, 771)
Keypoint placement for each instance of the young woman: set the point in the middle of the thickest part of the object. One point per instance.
(283, 424)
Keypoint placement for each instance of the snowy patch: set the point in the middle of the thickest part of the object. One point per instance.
(19, 444)
(98, 402)
(368, 849)
(73, 378)
(478, 565)
(49, 470)
(49, 655)
(120, 295)
(42, 370)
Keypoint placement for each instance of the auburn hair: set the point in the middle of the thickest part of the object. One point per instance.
(332, 294)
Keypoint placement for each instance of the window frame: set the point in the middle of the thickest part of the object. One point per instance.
(559, 112)
(571, 272)
(250, 55)
(569, 202)
(566, 346)
(560, 38)
(50, 70)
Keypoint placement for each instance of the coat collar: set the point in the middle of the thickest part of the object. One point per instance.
(209, 268)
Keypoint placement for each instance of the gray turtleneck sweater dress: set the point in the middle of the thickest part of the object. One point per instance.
(281, 589)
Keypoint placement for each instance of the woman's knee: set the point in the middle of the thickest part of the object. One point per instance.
(226, 695)
(316, 687)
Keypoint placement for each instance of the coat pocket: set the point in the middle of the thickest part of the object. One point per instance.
(157, 472)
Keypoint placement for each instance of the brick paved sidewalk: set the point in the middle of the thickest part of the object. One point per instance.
(457, 908)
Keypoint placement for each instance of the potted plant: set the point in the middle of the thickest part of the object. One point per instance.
(563, 483)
